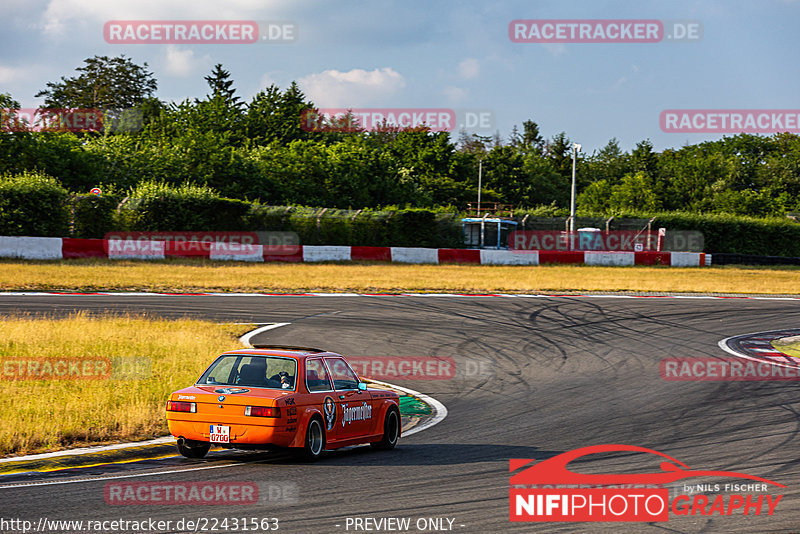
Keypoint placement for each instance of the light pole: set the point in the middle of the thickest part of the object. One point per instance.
(575, 149)
(480, 176)
(480, 172)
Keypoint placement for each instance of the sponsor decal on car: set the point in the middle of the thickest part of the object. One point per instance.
(549, 491)
(231, 391)
(329, 408)
(356, 413)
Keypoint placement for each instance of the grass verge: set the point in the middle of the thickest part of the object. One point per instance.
(184, 275)
(134, 362)
(788, 345)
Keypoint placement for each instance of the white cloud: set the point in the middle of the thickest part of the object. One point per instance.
(183, 63)
(357, 87)
(469, 68)
(64, 16)
(556, 49)
(266, 81)
(455, 95)
(9, 75)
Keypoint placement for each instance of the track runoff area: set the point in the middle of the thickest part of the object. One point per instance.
(530, 385)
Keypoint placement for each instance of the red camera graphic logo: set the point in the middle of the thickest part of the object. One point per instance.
(594, 498)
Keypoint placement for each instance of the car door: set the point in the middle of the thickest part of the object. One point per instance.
(354, 407)
(319, 385)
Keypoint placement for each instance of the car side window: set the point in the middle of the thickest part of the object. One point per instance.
(343, 376)
(316, 377)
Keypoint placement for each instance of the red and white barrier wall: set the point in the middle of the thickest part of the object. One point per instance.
(54, 248)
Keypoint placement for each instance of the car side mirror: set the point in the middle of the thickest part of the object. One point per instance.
(362, 386)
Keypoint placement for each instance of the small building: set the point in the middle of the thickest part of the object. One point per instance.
(488, 225)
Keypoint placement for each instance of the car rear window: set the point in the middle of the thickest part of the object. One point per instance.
(270, 372)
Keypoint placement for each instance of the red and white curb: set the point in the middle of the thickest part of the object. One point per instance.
(56, 248)
(757, 347)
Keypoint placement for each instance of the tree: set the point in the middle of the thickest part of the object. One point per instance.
(103, 83)
(643, 159)
(634, 194)
(221, 86)
(275, 116)
(530, 139)
(559, 150)
(609, 163)
(595, 198)
(7, 102)
(473, 143)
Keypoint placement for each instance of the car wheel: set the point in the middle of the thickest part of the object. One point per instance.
(315, 440)
(193, 449)
(391, 431)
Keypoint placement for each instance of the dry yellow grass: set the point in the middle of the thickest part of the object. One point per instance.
(199, 276)
(149, 358)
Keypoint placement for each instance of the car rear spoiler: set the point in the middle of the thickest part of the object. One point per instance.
(286, 347)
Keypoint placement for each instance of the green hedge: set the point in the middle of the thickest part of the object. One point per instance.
(738, 234)
(33, 204)
(156, 206)
(398, 227)
(93, 216)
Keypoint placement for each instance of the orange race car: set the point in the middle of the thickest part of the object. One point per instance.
(306, 399)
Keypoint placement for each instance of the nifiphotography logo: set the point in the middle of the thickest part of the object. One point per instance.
(549, 491)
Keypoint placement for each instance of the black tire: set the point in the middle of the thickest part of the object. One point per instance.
(193, 449)
(391, 431)
(315, 441)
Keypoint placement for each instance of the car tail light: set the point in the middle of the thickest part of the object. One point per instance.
(176, 406)
(262, 411)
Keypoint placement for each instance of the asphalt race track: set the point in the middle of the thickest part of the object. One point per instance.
(537, 377)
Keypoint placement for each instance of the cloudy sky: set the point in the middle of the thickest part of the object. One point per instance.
(443, 54)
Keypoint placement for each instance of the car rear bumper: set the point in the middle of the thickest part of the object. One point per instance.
(239, 434)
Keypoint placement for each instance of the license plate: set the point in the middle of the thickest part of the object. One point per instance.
(220, 434)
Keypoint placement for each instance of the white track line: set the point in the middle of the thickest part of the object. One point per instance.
(389, 295)
(439, 408)
(115, 477)
(245, 339)
(89, 450)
